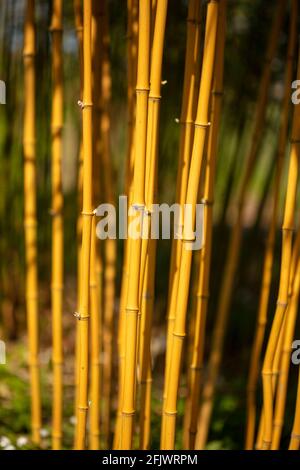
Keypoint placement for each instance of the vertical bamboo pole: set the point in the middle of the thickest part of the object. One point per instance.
(87, 215)
(295, 439)
(149, 246)
(132, 28)
(287, 233)
(79, 33)
(185, 147)
(30, 222)
(205, 255)
(201, 126)
(110, 244)
(269, 251)
(57, 223)
(235, 239)
(288, 334)
(132, 304)
(96, 262)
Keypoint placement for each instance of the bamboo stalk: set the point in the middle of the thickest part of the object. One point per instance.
(132, 303)
(235, 239)
(149, 247)
(132, 26)
(282, 302)
(269, 251)
(79, 33)
(205, 255)
(57, 223)
(96, 261)
(87, 215)
(200, 133)
(288, 334)
(30, 222)
(109, 273)
(295, 439)
(185, 148)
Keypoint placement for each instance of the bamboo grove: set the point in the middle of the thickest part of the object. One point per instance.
(144, 342)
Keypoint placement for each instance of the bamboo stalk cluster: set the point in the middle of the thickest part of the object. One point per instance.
(114, 406)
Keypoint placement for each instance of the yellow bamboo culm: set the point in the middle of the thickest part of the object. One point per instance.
(57, 223)
(282, 302)
(87, 215)
(79, 33)
(187, 118)
(109, 266)
(285, 352)
(295, 434)
(202, 294)
(96, 261)
(201, 127)
(269, 251)
(135, 244)
(235, 239)
(147, 264)
(132, 29)
(30, 222)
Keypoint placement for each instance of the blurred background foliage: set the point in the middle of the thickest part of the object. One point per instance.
(247, 30)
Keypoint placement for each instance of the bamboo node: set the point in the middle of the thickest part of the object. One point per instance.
(294, 140)
(83, 105)
(196, 367)
(202, 296)
(204, 125)
(147, 295)
(88, 213)
(55, 29)
(170, 413)
(207, 202)
(281, 304)
(54, 213)
(80, 317)
(82, 408)
(295, 436)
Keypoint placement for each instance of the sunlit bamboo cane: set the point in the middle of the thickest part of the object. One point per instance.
(96, 262)
(30, 222)
(57, 223)
(187, 117)
(201, 126)
(132, 29)
(87, 215)
(132, 303)
(109, 271)
(235, 239)
(79, 33)
(287, 233)
(205, 255)
(269, 251)
(147, 279)
(285, 356)
(295, 434)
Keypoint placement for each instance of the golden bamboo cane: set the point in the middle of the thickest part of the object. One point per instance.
(79, 33)
(185, 148)
(288, 334)
(295, 439)
(269, 251)
(287, 233)
(201, 126)
(235, 239)
(30, 222)
(149, 247)
(132, 28)
(110, 244)
(205, 255)
(96, 262)
(132, 304)
(87, 215)
(57, 223)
